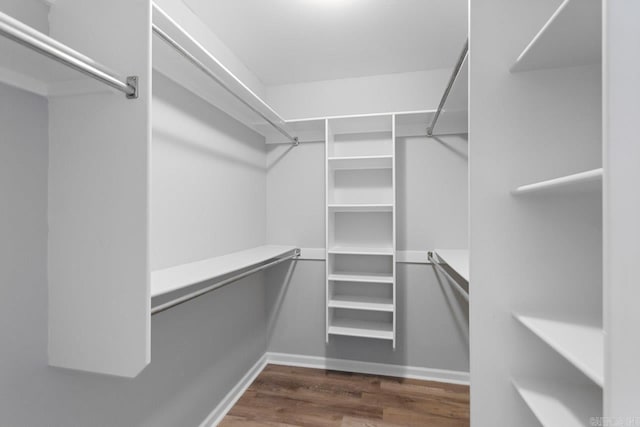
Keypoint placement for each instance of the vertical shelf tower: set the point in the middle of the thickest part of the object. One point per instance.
(361, 227)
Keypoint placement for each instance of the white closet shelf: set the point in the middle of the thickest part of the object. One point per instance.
(361, 303)
(360, 207)
(581, 345)
(560, 405)
(361, 328)
(354, 250)
(588, 181)
(171, 64)
(175, 278)
(361, 162)
(571, 37)
(457, 259)
(361, 278)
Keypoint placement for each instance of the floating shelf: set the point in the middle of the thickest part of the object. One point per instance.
(360, 207)
(361, 162)
(181, 276)
(457, 259)
(570, 38)
(360, 328)
(581, 345)
(346, 250)
(560, 405)
(361, 278)
(361, 303)
(582, 182)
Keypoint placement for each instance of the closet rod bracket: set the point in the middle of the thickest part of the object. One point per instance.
(132, 82)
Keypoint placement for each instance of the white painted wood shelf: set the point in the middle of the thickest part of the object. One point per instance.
(361, 162)
(361, 207)
(557, 404)
(457, 259)
(361, 303)
(360, 328)
(360, 227)
(181, 276)
(571, 37)
(353, 250)
(361, 278)
(581, 345)
(583, 182)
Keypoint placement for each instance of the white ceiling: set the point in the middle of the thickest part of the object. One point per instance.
(292, 41)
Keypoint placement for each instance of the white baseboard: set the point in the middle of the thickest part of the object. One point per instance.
(418, 373)
(234, 394)
(426, 374)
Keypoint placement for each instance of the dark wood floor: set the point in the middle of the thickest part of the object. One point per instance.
(287, 396)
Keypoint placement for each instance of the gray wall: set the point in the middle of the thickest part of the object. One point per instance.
(199, 350)
(432, 213)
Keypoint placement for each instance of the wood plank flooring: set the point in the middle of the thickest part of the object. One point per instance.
(286, 396)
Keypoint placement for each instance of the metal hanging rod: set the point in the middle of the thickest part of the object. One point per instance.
(195, 61)
(23, 34)
(456, 285)
(452, 79)
(193, 295)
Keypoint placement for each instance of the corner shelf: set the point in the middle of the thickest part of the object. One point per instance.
(571, 37)
(581, 345)
(361, 328)
(582, 182)
(559, 405)
(175, 278)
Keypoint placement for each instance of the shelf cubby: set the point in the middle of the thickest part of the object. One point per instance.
(364, 324)
(582, 345)
(360, 186)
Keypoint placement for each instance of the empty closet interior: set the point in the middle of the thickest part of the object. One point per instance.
(195, 189)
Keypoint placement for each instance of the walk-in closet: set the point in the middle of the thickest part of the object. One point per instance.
(343, 213)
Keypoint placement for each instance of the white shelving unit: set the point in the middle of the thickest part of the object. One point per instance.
(182, 276)
(571, 37)
(360, 228)
(588, 181)
(582, 345)
(556, 404)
